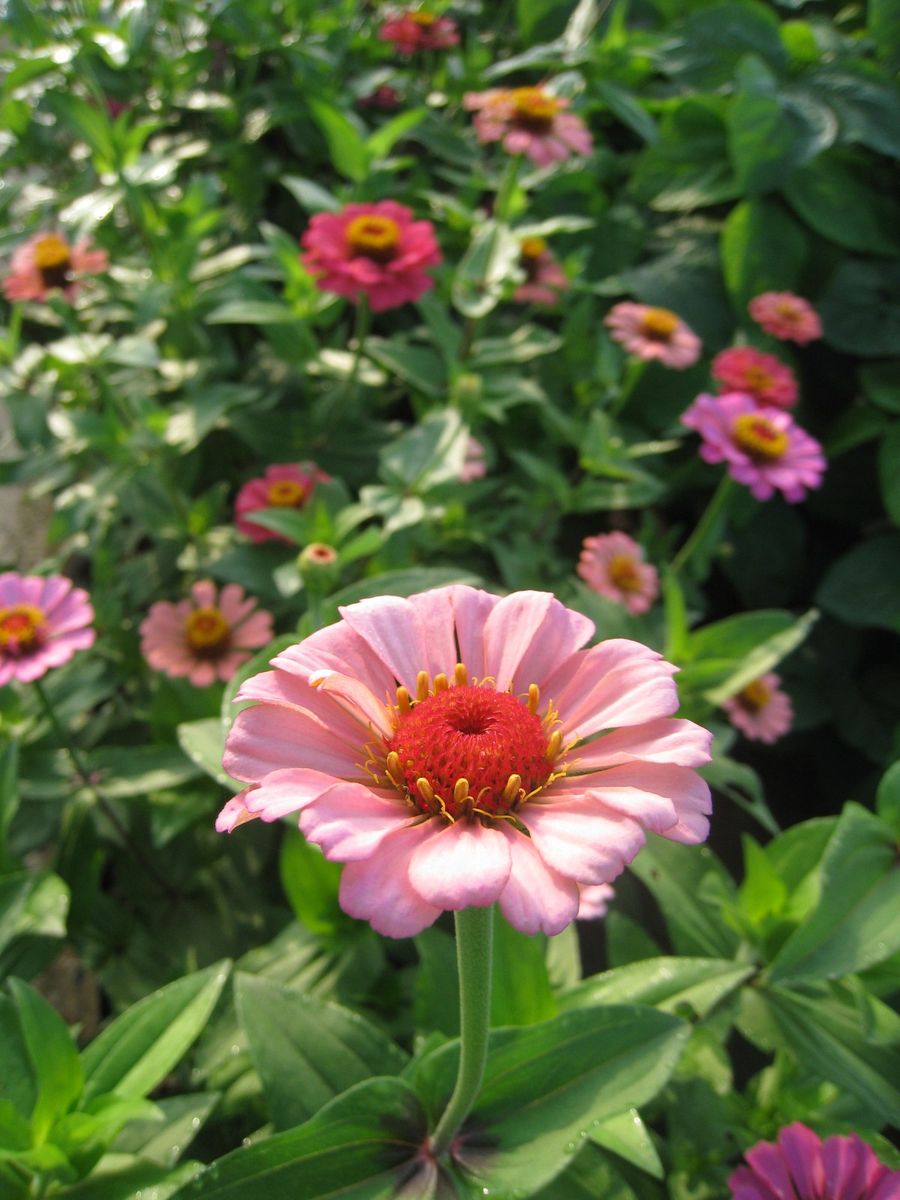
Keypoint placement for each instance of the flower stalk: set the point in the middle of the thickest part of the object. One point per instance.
(704, 527)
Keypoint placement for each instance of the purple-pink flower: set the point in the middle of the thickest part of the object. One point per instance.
(46, 263)
(457, 749)
(763, 376)
(800, 1166)
(284, 485)
(530, 121)
(653, 333)
(761, 710)
(372, 250)
(44, 620)
(545, 280)
(206, 637)
(613, 565)
(786, 316)
(763, 447)
(414, 30)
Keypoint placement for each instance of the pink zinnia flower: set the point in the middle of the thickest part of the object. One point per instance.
(763, 376)
(763, 447)
(613, 565)
(415, 30)
(653, 333)
(545, 279)
(455, 749)
(474, 464)
(786, 316)
(761, 711)
(374, 250)
(800, 1166)
(43, 621)
(530, 121)
(46, 262)
(206, 637)
(287, 485)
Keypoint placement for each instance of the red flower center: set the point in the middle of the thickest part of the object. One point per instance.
(373, 237)
(285, 493)
(759, 438)
(208, 633)
(754, 697)
(658, 324)
(22, 629)
(53, 260)
(534, 109)
(623, 571)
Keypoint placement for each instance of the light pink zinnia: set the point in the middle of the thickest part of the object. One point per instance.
(474, 464)
(206, 637)
(786, 316)
(613, 565)
(762, 446)
(530, 121)
(46, 263)
(373, 250)
(457, 749)
(545, 279)
(761, 711)
(763, 376)
(800, 1166)
(43, 621)
(288, 485)
(415, 30)
(653, 333)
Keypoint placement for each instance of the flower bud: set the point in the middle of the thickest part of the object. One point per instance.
(318, 567)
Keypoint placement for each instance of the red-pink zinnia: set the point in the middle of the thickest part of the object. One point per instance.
(786, 316)
(206, 637)
(372, 250)
(763, 376)
(456, 749)
(46, 263)
(530, 121)
(761, 710)
(43, 622)
(545, 280)
(653, 333)
(415, 30)
(613, 565)
(287, 485)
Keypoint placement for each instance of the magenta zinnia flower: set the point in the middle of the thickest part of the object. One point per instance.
(530, 121)
(373, 250)
(46, 262)
(653, 333)
(287, 485)
(763, 376)
(206, 637)
(761, 711)
(455, 749)
(800, 1166)
(613, 565)
(762, 446)
(786, 316)
(43, 621)
(545, 280)
(415, 30)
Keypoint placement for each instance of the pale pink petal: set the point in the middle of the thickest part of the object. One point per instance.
(581, 839)
(468, 865)
(647, 792)
(349, 820)
(279, 687)
(355, 698)
(234, 813)
(526, 637)
(536, 899)
(408, 635)
(265, 738)
(378, 890)
(471, 609)
(204, 593)
(663, 740)
(594, 899)
(338, 648)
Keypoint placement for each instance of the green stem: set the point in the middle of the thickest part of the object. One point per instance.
(13, 333)
(360, 332)
(507, 189)
(474, 951)
(708, 519)
(633, 374)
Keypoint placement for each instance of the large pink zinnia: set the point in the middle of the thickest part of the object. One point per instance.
(206, 637)
(762, 446)
(786, 316)
(763, 376)
(284, 485)
(653, 333)
(530, 121)
(46, 262)
(613, 565)
(761, 710)
(415, 30)
(455, 749)
(800, 1166)
(373, 250)
(43, 622)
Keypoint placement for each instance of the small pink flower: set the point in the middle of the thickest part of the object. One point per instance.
(763, 376)
(545, 280)
(800, 1166)
(763, 447)
(761, 711)
(653, 333)
(46, 263)
(595, 899)
(282, 486)
(384, 99)
(43, 622)
(613, 565)
(206, 637)
(474, 464)
(457, 749)
(786, 316)
(374, 250)
(530, 121)
(415, 30)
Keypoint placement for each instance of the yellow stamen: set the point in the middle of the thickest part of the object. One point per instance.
(460, 791)
(394, 769)
(21, 626)
(440, 683)
(534, 107)
(532, 247)
(623, 571)
(425, 790)
(373, 237)
(659, 323)
(759, 437)
(285, 493)
(534, 697)
(422, 686)
(460, 675)
(755, 696)
(512, 789)
(207, 630)
(404, 700)
(554, 745)
(51, 251)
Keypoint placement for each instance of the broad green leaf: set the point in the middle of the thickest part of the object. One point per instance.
(667, 983)
(33, 910)
(887, 798)
(762, 893)
(871, 571)
(9, 797)
(764, 658)
(124, 1177)
(311, 883)
(627, 1135)
(164, 1139)
(55, 1062)
(590, 1176)
(137, 770)
(416, 365)
(860, 307)
(521, 992)
(203, 742)
(735, 637)
(688, 166)
(713, 39)
(690, 886)
(881, 384)
(426, 454)
(382, 142)
(763, 249)
(346, 144)
(436, 988)
(252, 312)
(484, 268)
(18, 1081)
(825, 190)
(889, 472)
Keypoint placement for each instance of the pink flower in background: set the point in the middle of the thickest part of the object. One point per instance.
(44, 620)
(530, 121)
(613, 565)
(384, 98)
(763, 447)
(763, 376)
(206, 637)
(545, 280)
(457, 749)
(653, 333)
(761, 711)
(415, 30)
(287, 485)
(46, 263)
(800, 1166)
(786, 316)
(595, 899)
(474, 465)
(372, 250)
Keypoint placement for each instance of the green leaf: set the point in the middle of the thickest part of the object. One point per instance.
(165, 1138)
(311, 883)
(713, 39)
(310, 195)
(383, 140)
(763, 249)
(346, 144)
(33, 911)
(17, 1075)
(416, 365)
(137, 770)
(427, 454)
(590, 1176)
(688, 166)
(203, 742)
(764, 658)
(140, 1047)
(484, 268)
(521, 992)
(123, 1177)
(627, 1135)
(252, 312)
(889, 472)
(690, 886)
(667, 983)
(762, 893)
(860, 307)
(9, 798)
(841, 182)
(887, 798)
(881, 384)
(56, 1065)
(870, 570)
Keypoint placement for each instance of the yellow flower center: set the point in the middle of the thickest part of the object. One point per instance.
(659, 324)
(22, 629)
(285, 493)
(757, 379)
(426, 20)
(207, 632)
(51, 251)
(532, 248)
(534, 108)
(755, 696)
(759, 438)
(623, 571)
(373, 236)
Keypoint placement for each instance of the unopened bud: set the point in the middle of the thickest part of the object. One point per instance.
(318, 567)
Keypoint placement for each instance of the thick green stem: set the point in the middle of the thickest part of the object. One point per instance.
(474, 954)
(704, 526)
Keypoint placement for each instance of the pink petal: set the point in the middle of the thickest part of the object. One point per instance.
(527, 636)
(615, 683)
(407, 635)
(593, 900)
(651, 793)
(766, 1160)
(349, 820)
(471, 609)
(266, 738)
(536, 899)
(466, 866)
(581, 839)
(662, 740)
(801, 1149)
(287, 791)
(338, 648)
(355, 698)
(234, 813)
(290, 691)
(378, 890)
